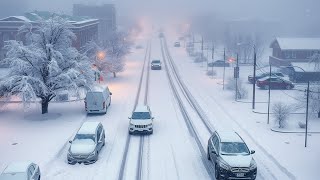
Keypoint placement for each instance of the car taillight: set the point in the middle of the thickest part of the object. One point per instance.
(104, 105)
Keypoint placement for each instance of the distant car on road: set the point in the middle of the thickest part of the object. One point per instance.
(21, 171)
(218, 63)
(231, 157)
(262, 75)
(87, 144)
(161, 35)
(274, 82)
(156, 64)
(141, 121)
(139, 47)
(177, 44)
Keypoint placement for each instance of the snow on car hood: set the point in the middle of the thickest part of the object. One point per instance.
(237, 160)
(83, 146)
(141, 121)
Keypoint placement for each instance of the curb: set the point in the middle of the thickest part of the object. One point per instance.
(293, 132)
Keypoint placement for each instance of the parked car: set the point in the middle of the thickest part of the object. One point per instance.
(21, 171)
(275, 82)
(177, 44)
(218, 63)
(231, 157)
(98, 100)
(262, 75)
(156, 64)
(87, 144)
(141, 120)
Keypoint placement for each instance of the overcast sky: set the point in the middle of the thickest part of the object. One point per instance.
(262, 9)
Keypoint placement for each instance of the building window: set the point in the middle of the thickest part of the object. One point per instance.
(287, 54)
(294, 55)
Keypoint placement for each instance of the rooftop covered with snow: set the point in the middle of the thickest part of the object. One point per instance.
(297, 43)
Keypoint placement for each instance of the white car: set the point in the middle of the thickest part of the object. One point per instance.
(98, 100)
(141, 121)
(21, 171)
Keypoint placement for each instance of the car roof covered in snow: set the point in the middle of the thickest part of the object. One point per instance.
(229, 136)
(141, 108)
(17, 167)
(97, 88)
(88, 127)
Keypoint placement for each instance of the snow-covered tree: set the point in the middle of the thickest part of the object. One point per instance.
(117, 47)
(281, 113)
(46, 64)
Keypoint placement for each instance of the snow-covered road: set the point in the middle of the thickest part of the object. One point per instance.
(186, 112)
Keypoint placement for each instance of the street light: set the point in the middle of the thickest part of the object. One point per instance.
(101, 55)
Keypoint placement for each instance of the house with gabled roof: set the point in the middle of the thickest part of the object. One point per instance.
(287, 50)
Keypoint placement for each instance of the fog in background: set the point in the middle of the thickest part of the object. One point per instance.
(298, 15)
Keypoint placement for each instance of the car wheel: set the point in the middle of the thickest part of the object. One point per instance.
(216, 172)
(109, 102)
(288, 87)
(266, 87)
(39, 178)
(151, 132)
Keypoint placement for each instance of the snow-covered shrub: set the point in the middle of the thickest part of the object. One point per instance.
(281, 113)
(211, 73)
(199, 59)
(242, 91)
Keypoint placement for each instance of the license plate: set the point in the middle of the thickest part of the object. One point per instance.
(240, 174)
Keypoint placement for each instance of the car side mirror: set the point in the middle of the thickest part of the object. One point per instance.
(110, 93)
(70, 141)
(253, 151)
(152, 118)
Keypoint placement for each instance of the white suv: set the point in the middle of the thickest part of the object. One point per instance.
(141, 120)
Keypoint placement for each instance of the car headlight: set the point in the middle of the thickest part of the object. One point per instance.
(92, 154)
(224, 165)
(149, 124)
(253, 164)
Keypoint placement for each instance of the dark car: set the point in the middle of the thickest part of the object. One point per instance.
(177, 44)
(156, 64)
(231, 157)
(274, 82)
(262, 75)
(161, 35)
(219, 63)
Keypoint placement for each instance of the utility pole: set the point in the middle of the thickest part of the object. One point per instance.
(224, 66)
(269, 94)
(254, 79)
(307, 112)
(202, 49)
(212, 56)
(237, 76)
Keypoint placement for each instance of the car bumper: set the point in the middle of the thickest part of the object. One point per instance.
(85, 160)
(155, 67)
(91, 111)
(148, 130)
(225, 174)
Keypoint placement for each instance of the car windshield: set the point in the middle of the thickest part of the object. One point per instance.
(13, 176)
(141, 115)
(156, 61)
(234, 148)
(84, 136)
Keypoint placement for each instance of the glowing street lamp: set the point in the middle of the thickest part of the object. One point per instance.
(101, 55)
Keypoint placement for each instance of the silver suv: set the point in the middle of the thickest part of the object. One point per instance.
(231, 157)
(87, 144)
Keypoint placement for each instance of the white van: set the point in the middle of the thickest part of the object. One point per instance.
(97, 100)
